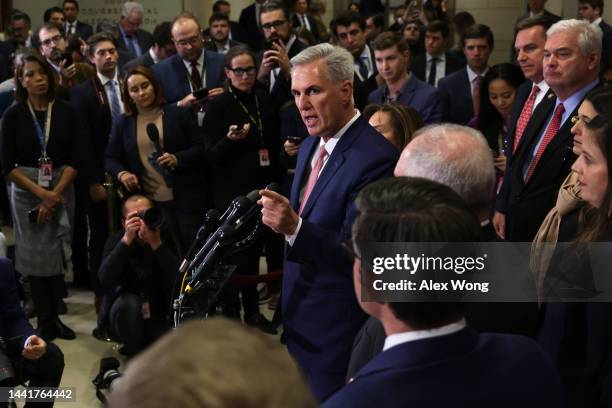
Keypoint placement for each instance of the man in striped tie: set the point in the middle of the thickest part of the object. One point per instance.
(543, 156)
(529, 46)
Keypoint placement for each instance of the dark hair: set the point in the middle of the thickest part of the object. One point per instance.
(596, 224)
(595, 4)
(541, 20)
(438, 26)
(405, 121)
(272, 5)
(134, 198)
(48, 27)
(462, 21)
(234, 52)
(378, 20)
(75, 2)
(21, 94)
(345, 19)
(490, 122)
(130, 106)
(161, 34)
(20, 15)
(217, 16)
(217, 5)
(478, 31)
(388, 39)
(410, 209)
(94, 40)
(55, 9)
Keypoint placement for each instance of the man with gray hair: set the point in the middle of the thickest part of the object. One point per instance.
(133, 41)
(543, 157)
(344, 153)
(456, 156)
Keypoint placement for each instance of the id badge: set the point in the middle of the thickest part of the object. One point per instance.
(146, 310)
(45, 172)
(264, 158)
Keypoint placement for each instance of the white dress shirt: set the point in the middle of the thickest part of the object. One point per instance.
(440, 67)
(472, 77)
(201, 67)
(104, 80)
(401, 338)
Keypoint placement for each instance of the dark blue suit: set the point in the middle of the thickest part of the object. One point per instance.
(13, 322)
(420, 96)
(457, 97)
(320, 313)
(180, 137)
(15, 328)
(173, 75)
(463, 369)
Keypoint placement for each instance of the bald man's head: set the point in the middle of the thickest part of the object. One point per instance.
(453, 155)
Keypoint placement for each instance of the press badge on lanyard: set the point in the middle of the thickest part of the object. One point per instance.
(45, 165)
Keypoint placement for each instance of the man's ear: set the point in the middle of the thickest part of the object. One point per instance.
(347, 91)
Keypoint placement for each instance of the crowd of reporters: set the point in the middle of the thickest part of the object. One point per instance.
(183, 123)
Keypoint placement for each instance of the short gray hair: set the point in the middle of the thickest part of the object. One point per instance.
(456, 156)
(340, 62)
(589, 36)
(129, 7)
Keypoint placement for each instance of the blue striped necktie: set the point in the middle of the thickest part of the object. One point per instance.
(114, 100)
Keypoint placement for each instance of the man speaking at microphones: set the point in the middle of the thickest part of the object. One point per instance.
(320, 312)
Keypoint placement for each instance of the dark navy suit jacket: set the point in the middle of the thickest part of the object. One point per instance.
(457, 97)
(13, 322)
(419, 63)
(182, 138)
(462, 369)
(173, 75)
(420, 96)
(320, 312)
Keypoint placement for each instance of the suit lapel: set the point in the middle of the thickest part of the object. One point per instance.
(183, 79)
(535, 124)
(334, 162)
(410, 90)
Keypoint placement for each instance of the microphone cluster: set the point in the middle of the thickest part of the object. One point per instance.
(221, 234)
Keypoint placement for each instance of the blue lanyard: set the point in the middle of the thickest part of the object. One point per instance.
(43, 137)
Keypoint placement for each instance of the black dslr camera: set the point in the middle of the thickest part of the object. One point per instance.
(153, 217)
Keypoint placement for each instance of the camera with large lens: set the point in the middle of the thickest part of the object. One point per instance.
(153, 217)
(107, 377)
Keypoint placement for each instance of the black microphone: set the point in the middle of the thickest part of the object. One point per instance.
(153, 134)
(211, 222)
(221, 236)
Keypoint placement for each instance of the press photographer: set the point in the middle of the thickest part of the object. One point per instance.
(138, 271)
(23, 355)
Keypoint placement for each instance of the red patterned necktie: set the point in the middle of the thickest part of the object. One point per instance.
(551, 131)
(195, 75)
(314, 175)
(524, 117)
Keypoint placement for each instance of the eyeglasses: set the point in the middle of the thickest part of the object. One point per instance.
(189, 41)
(275, 24)
(242, 71)
(53, 40)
